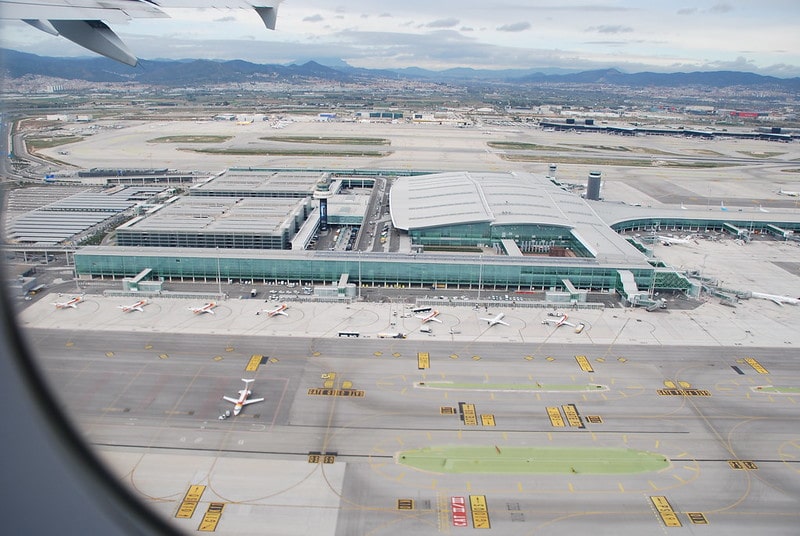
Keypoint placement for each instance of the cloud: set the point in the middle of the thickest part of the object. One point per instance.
(514, 27)
(610, 29)
(687, 11)
(314, 18)
(443, 23)
(720, 8)
(225, 19)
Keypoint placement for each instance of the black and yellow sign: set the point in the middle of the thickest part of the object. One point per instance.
(211, 517)
(594, 419)
(756, 365)
(668, 515)
(487, 420)
(584, 363)
(468, 414)
(480, 512)
(314, 458)
(329, 458)
(189, 503)
(325, 391)
(447, 410)
(405, 504)
(684, 392)
(423, 360)
(555, 417)
(255, 361)
(697, 518)
(747, 465)
(571, 413)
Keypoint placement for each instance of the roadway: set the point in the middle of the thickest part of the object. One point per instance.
(149, 402)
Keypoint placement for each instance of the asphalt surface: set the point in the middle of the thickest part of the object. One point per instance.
(150, 400)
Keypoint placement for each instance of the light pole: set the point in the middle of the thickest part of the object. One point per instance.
(480, 275)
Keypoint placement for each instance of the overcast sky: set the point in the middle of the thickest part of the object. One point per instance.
(653, 35)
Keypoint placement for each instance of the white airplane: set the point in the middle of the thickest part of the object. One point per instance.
(789, 193)
(558, 321)
(667, 240)
(780, 300)
(496, 320)
(430, 317)
(81, 21)
(134, 306)
(242, 401)
(280, 310)
(71, 304)
(207, 308)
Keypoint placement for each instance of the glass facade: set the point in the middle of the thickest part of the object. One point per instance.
(381, 270)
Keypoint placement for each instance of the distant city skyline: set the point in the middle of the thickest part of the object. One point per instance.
(660, 36)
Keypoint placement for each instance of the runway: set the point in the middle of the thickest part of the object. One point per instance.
(150, 404)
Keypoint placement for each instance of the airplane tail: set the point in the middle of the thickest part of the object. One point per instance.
(248, 382)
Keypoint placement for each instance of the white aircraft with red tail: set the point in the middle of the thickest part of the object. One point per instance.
(134, 306)
(280, 310)
(71, 304)
(243, 399)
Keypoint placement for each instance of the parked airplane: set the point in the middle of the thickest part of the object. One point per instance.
(780, 300)
(496, 320)
(558, 321)
(134, 306)
(72, 304)
(81, 21)
(280, 310)
(669, 240)
(207, 308)
(430, 317)
(790, 194)
(242, 401)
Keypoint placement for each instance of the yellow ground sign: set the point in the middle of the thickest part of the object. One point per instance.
(584, 363)
(668, 515)
(255, 361)
(189, 503)
(480, 512)
(571, 412)
(423, 360)
(211, 517)
(555, 417)
(756, 365)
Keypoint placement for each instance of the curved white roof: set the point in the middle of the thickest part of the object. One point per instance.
(460, 198)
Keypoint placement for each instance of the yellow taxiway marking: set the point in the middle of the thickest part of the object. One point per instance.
(480, 512)
(211, 517)
(109, 354)
(229, 348)
(253, 364)
(148, 346)
(217, 358)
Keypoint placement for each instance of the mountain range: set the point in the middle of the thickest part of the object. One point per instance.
(182, 73)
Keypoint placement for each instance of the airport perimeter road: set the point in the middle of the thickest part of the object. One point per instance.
(321, 454)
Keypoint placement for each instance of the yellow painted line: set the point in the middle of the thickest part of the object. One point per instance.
(190, 500)
(571, 413)
(621, 488)
(480, 512)
(453, 356)
(229, 349)
(423, 360)
(668, 515)
(584, 363)
(211, 517)
(669, 384)
(756, 365)
(163, 356)
(685, 385)
(217, 358)
(487, 420)
(555, 416)
(109, 354)
(255, 361)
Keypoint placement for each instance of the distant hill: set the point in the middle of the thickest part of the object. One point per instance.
(182, 73)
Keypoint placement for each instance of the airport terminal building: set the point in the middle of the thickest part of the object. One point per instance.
(511, 231)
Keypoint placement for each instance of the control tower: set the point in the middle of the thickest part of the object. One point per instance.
(322, 193)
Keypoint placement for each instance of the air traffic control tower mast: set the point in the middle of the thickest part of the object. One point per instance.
(322, 193)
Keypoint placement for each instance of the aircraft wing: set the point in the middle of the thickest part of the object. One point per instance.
(252, 401)
(231, 400)
(81, 21)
